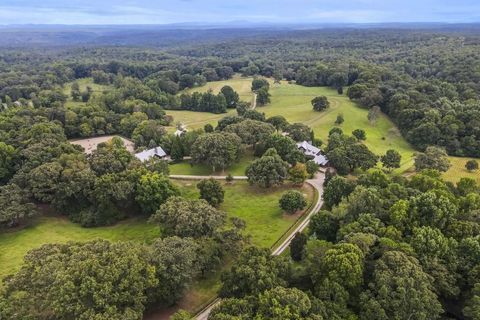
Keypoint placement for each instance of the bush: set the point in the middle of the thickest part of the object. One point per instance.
(292, 201)
(211, 190)
(471, 165)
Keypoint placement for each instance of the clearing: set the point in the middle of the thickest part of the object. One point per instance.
(90, 144)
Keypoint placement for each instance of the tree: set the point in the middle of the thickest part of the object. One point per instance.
(339, 119)
(263, 96)
(7, 160)
(433, 209)
(433, 158)
(359, 134)
(255, 271)
(75, 91)
(297, 246)
(208, 128)
(217, 150)
(373, 114)
(14, 206)
(391, 159)
(320, 103)
(211, 190)
(279, 122)
(251, 131)
(471, 165)
(286, 148)
(312, 168)
(153, 190)
(343, 264)
(337, 189)
(182, 315)
(283, 303)
(188, 218)
(300, 132)
(257, 84)
(176, 265)
(324, 226)
(99, 280)
(298, 173)
(292, 201)
(226, 121)
(399, 289)
(269, 170)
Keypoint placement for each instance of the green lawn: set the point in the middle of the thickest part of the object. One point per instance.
(237, 169)
(294, 103)
(258, 207)
(458, 170)
(14, 245)
(195, 120)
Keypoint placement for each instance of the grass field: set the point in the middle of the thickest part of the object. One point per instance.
(14, 245)
(83, 83)
(195, 120)
(258, 207)
(294, 103)
(458, 170)
(237, 169)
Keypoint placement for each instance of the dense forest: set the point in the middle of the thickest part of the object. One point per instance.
(384, 246)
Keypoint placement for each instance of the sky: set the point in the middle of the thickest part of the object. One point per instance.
(219, 11)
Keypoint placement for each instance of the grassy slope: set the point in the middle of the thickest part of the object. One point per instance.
(14, 245)
(258, 207)
(458, 170)
(195, 120)
(293, 102)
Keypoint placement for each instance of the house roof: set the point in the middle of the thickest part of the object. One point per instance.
(311, 150)
(147, 154)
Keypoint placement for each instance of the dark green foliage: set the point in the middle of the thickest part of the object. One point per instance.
(297, 246)
(339, 119)
(324, 225)
(251, 131)
(299, 132)
(14, 206)
(391, 159)
(312, 168)
(292, 201)
(153, 190)
(211, 190)
(471, 165)
(270, 170)
(188, 218)
(217, 150)
(208, 128)
(231, 97)
(337, 189)
(263, 96)
(286, 148)
(255, 271)
(206, 102)
(359, 134)
(279, 122)
(320, 103)
(347, 154)
(432, 158)
(257, 84)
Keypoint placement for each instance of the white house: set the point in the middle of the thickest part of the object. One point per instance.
(150, 153)
(312, 151)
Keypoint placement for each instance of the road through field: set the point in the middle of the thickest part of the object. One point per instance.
(317, 183)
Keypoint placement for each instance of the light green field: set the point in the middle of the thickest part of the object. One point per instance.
(196, 120)
(237, 169)
(258, 207)
(294, 103)
(14, 245)
(83, 83)
(458, 170)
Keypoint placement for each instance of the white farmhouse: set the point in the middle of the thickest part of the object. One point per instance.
(150, 153)
(314, 152)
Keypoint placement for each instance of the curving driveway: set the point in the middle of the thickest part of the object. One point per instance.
(317, 183)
